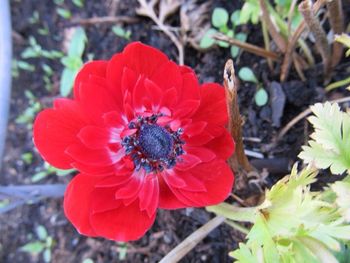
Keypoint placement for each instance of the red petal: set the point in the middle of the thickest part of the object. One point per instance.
(143, 59)
(190, 86)
(204, 154)
(187, 162)
(56, 129)
(77, 202)
(168, 76)
(126, 223)
(195, 128)
(154, 92)
(167, 199)
(99, 157)
(186, 108)
(149, 195)
(222, 146)
(90, 69)
(96, 137)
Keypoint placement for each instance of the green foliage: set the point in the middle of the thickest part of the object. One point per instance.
(250, 12)
(294, 224)
(72, 61)
(78, 3)
(43, 245)
(220, 20)
(27, 117)
(18, 65)
(64, 13)
(36, 51)
(261, 96)
(49, 170)
(330, 143)
(219, 17)
(121, 32)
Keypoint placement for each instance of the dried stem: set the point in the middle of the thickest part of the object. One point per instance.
(320, 36)
(192, 240)
(147, 9)
(104, 19)
(267, 43)
(239, 160)
(293, 41)
(247, 47)
(336, 19)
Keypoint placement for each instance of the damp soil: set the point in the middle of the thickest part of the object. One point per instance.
(260, 128)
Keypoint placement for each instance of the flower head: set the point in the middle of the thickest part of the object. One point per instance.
(144, 134)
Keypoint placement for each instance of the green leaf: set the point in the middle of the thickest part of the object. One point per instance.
(33, 247)
(27, 157)
(235, 18)
(261, 97)
(66, 14)
(219, 17)
(247, 74)
(77, 44)
(41, 232)
(330, 144)
(88, 260)
(47, 255)
(120, 32)
(39, 176)
(207, 41)
(78, 3)
(234, 51)
(25, 66)
(67, 80)
(342, 191)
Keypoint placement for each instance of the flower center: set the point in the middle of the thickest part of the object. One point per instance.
(153, 147)
(155, 141)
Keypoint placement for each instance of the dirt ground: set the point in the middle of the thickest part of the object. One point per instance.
(18, 226)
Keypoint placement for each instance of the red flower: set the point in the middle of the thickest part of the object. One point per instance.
(144, 134)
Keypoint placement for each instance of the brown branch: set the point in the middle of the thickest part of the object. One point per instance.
(336, 19)
(239, 159)
(247, 47)
(103, 19)
(293, 41)
(320, 35)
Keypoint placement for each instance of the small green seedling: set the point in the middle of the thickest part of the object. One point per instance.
(27, 117)
(27, 157)
(78, 3)
(72, 61)
(122, 250)
(18, 65)
(48, 73)
(48, 170)
(42, 246)
(36, 51)
(250, 12)
(261, 97)
(220, 21)
(121, 32)
(64, 13)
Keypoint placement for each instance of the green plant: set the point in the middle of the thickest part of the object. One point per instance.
(18, 65)
(295, 223)
(78, 3)
(330, 143)
(220, 21)
(27, 117)
(48, 170)
(261, 97)
(42, 246)
(64, 13)
(345, 40)
(36, 51)
(121, 32)
(72, 61)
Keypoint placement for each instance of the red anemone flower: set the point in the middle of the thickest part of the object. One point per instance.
(144, 134)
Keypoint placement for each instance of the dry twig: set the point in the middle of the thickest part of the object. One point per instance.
(103, 20)
(316, 29)
(239, 159)
(336, 20)
(166, 8)
(247, 47)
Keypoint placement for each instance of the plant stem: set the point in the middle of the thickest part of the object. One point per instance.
(235, 213)
(320, 36)
(239, 159)
(338, 84)
(176, 254)
(336, 19)
(237, 226)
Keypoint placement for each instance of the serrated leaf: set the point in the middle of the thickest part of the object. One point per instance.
(247, 74)
(33, 247)
(342, 190)
(219, 17)
(330, 144)
(261, 97)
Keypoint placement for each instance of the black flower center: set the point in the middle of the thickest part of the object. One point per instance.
(153, 147)
(155, 141)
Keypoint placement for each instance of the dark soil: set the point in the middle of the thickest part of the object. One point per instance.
(18, 226)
